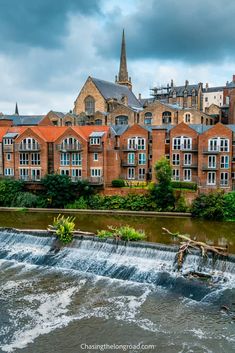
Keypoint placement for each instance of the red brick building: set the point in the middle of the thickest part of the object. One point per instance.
(198, 153)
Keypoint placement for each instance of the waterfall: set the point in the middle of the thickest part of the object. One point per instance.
(139, 262)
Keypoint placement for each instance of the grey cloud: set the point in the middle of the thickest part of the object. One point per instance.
(39, 23)
(190, 31)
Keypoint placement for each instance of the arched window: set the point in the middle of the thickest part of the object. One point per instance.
(174, 94)
(121, 120)
(187, 117)
(98, 122)
(68, 123)
(29, 144)
(89, 105)
(148, 118)
(70, 143)
(166, 117)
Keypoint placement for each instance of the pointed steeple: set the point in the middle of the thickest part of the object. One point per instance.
(123, 78)
(16, 110)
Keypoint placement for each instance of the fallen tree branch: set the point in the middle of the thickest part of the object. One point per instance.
(190, 243)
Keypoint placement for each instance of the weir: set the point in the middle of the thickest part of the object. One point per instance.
(138, 262)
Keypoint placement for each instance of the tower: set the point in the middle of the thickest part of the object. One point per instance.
(123, 78)
(16, 110)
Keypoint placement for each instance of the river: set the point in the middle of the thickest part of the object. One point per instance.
(103, 297)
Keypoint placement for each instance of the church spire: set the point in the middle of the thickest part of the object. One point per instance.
(123, 78)
(16, 109)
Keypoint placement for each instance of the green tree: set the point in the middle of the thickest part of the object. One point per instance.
(229, 205)
(163, 191)
(58, 190)
(9, 190)
(209, 206)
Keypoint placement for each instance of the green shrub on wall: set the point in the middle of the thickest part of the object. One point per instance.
(184, 185)
(9, 190)
(209, 206)
(118, 183)
(229, 205)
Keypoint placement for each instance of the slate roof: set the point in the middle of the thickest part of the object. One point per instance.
(231, 127)
(113, 90)
(180, 89)
(23, 120)
(200, 128)
(213, 89)
(119, 129)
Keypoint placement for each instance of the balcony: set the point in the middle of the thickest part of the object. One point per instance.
(96, 180)
(28, 147)
(95, 148)
(7, 148)
(206, 167)
(125, 163)
(126, 148)
(190, 166)
(183, 148)
(210, 151)
(69, 147)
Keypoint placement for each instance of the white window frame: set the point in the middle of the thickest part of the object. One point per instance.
(95, 157)
(95, 140)
(76, 159)
(24, 173)
(24, 158)
(131, 158)
(188, 159)
(212, 161)
(224, 182)
(96, 172)
(224, 162)
(131, 173)
(36, 174)
(211, 180)
(64, 159)
(7, 158)
(187, 175)
(142, 158)
(175, 174)
(141, 174)
(76, 173)
(35, 158)
(65, 171)
(9, 172)
(175, 159)
(7, 141)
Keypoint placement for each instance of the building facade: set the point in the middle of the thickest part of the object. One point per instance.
(198, 153)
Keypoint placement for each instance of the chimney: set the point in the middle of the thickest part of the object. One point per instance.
(233, 78)
(139, 96)
(172, 83)
(186, 83)
(207, 86)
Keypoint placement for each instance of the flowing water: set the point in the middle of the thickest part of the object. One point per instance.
(95, 294)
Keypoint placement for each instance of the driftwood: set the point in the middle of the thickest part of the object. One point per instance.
(188, 243)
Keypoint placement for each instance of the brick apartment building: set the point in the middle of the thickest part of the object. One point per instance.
(198, 153)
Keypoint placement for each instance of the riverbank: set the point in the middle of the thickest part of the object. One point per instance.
(89, 211)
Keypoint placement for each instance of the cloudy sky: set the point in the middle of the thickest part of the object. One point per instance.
(49, 47)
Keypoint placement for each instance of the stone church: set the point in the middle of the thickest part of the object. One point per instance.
(106, 103)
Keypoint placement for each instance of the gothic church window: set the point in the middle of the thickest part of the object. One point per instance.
(89, 105)
(148, 118)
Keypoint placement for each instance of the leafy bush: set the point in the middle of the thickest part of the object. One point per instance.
(58, 190)
(130, 202)
(9, 190)
(163, 191)
(229, 205)
(180, 205)
(25, 199)
(118, 183)
(83, 188)
(125, 233)
(64, 228)
(210, 206)
(80, 204)
(184, 185)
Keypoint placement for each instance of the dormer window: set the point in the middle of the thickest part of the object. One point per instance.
(174, 94)
(8, 141)
(95, 141)
(185, 93)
